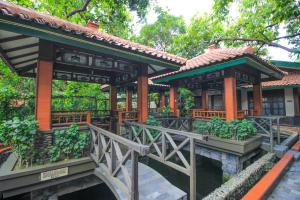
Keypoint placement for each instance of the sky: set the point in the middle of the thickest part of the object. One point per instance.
(188, 8)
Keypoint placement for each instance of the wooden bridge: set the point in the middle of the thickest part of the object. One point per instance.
(117, 165)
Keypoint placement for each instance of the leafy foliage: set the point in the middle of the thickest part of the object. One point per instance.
(114, 16)
(162, 33)
(69, 143)
(186, 101)
(236, 129)
(20, 134)
(153, 122)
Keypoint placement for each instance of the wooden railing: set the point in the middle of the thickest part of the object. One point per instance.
(68, 118)
(268, 126)
(127, 116)
(209, 114)
(114, 155)
(178, 123)
(167, 144)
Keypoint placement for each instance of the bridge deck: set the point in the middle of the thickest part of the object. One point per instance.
(152, 185)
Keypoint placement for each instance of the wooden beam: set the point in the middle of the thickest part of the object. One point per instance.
(162, 99)
(24, 55)
(44, 78)
(24, 61)
(173, 99)
(204, 99)
(21, 47)
(128, 99)
(230, 98)
(26, 68)
(257, 99)
(13, 38)
(43, 94)
(113, 94)
(142, 94)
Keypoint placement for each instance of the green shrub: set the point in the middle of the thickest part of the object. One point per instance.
(20, 134)
(245, 129)
(68, 143)
(153, 122)
(236, 129)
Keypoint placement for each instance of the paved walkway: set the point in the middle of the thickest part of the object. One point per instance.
(289, 186)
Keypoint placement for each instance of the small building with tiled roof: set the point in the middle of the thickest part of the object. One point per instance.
(215, 78)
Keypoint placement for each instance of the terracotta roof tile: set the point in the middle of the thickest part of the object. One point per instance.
(57, 23)
(215, 55)
(293, 79)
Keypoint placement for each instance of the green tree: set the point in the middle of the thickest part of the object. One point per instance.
(114, 16)
(259, 22)
(162, 33)
(201, 32)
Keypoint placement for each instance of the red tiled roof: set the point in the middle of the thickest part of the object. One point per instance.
(57, 23)
(293, 79)
(214, 55)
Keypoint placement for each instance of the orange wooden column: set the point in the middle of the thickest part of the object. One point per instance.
(204, 98)
(142, 95)
(44, 78)
(128, 99)
(230, 98)
(162, 99)
(173, 99)
(113, 97)
(257, 99)
(43, 94)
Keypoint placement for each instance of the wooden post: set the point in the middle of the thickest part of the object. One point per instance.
(173, 100)
(113, 97)
(162, 99)
(257, 99)
(193, 175)
(230, 97)
(44, 77)
(134, 193)
(142, 95)
(128, 99)
(204, 98)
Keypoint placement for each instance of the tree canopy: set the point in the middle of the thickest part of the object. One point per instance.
(113, 16)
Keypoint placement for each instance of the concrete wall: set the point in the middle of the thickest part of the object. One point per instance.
(289, 102)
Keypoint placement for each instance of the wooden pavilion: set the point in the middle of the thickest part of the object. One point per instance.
(45, 47)
(222, 71)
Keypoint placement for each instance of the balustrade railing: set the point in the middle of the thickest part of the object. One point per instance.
(127, 116)
(209, 114)
(115, 154)
(180, 123)
(68, 118)
(166, 144)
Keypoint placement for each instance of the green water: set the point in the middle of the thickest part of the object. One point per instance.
(209, 177)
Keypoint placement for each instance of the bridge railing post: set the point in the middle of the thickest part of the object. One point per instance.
(193, 176)
(134, 192)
